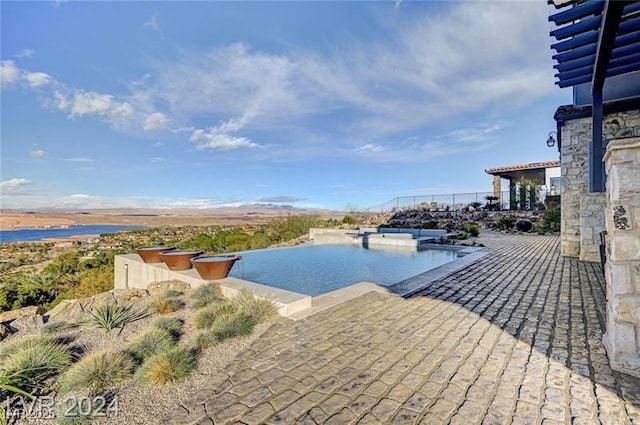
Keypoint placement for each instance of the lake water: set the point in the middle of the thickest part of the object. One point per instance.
(317, 269)
(30, 235)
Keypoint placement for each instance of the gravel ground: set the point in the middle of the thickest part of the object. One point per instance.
(146, 403)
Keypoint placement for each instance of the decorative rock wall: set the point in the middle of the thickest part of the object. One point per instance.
(622, 271)
(592, 222)
(575, 196)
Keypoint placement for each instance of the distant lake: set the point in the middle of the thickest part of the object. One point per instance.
(29, 235)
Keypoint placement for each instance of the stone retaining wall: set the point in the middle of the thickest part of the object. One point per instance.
(592, 222)
(622, 272)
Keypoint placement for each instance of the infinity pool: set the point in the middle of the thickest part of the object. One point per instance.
(318, 269)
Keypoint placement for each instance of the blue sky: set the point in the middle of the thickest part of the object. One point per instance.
(311, 104)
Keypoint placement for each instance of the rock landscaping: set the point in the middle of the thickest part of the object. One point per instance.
(132, 353)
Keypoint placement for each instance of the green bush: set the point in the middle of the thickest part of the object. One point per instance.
(259, 310)
(111, 316)
(164, 305)
(98, 371)
(551, 219)
(58, 326)
(349, 219)
(206, 316)
(28, 362)
(506, 222)
(173, 325)
(150, 342)
(473, 229)
(167, 366)
(206, 294)
(232, 324)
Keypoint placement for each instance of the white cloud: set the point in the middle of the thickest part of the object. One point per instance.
(37, 153)
(9, 73)
(90, 103)
(38, 79)
(156, 160)
(75, 159)
(14, 186)
(153, 23)
(220, 137)
(280, 199)
(25, 54)
(214, 140)
(369, 147)
(155, 121)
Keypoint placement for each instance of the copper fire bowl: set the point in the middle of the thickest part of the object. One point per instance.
(212, 267)
(178, 260)
(151, 254)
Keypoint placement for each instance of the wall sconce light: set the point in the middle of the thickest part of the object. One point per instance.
(551, 141)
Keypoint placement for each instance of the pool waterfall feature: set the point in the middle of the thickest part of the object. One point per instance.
(130, 271)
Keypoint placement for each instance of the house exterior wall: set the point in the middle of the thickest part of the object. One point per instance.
(622, 269)
(580, 236)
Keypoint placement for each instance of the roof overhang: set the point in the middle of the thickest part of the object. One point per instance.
(595, 39)
(537, 166)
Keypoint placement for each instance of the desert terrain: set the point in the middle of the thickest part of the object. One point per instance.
(19, 219)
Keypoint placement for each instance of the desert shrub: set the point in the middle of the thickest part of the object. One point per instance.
(172, 325)
(92, 282)
(167, 366)
(205, 295)
(206, 339)
(206, 316)
(164, 305)
(231, 324)
(506, 222)
(150, 342)
(58, 326)
(473, 229)
(98, 371)
(349, 219)
(431, 224)
(27, 363)
(551, 219)
(111, 316)
(172, 293)
(259, 310)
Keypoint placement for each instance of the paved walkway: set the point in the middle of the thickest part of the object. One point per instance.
(513, 338)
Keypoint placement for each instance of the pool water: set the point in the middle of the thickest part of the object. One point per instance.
(317, 269)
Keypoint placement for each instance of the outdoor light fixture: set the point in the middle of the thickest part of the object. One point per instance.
(551, 141)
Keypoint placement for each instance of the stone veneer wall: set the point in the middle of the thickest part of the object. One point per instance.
(576, 138)
(622, 271)
(592, 222)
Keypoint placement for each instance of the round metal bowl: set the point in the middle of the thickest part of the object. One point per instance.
(211, 267)
(178, 260)
(151, 254)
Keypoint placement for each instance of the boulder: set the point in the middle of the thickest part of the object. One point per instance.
(524, 225)
(5, 331)
(65, 310)
(8, 316)
(126, 295)
(28, 323)
(174, 285)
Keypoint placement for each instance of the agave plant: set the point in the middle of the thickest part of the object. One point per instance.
(111, 316)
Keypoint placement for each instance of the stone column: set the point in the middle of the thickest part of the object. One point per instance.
(622, 272)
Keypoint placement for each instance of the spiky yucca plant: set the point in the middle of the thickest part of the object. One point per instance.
(260, 310)
(206, 316)
(111, 316)
(167, 366)
(98, 371)
(150, 342)
(206, 294)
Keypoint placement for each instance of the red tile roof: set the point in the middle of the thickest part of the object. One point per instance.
(523, 167)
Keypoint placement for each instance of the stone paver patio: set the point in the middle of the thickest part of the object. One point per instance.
(514, 338)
